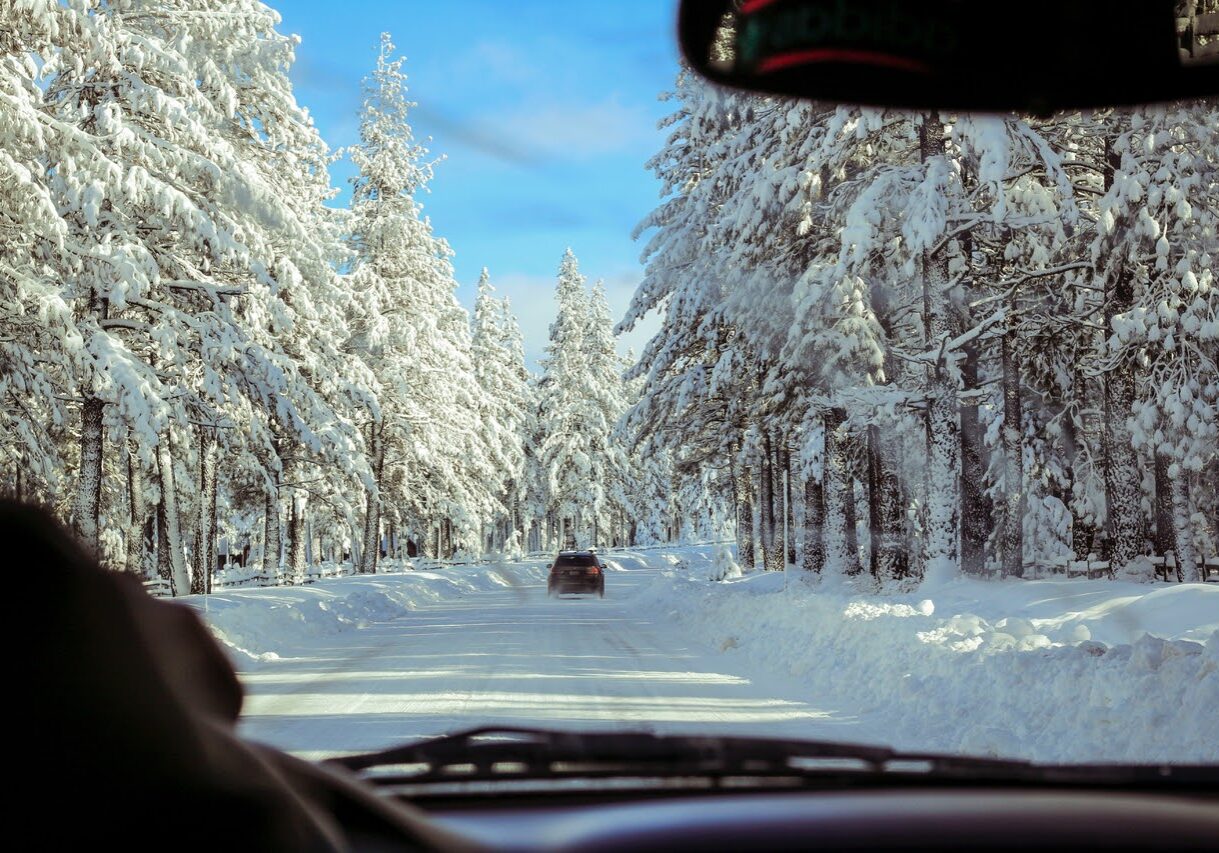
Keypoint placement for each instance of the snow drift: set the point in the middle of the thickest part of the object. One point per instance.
(1052, 671)
(259, 625)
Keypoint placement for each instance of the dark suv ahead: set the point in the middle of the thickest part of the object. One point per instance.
(576, 571)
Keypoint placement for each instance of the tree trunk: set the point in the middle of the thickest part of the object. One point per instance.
(943, 411)
(371, 546)
(138, 551)
(744, 512)
(976, 509)
(1123, 487)
(1188, 568)
(148, 546)
(271, 536)
(86, 516)
(1081, 532)
(875, 534)
(887, 523)
(771, 556)
(1165, 532)
(789, 505)
(943, 470)
(1210, 481)
(517, 527)
(840, 557)
(854, 565)
(298, 503)
(205, 531)
(87, 511)
(1013, 461)
(171, 562)
(813, 555)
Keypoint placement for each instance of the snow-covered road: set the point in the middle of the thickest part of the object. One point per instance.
(511, 655)
(1048, 670)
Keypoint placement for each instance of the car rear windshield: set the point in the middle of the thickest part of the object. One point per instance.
(575, 560)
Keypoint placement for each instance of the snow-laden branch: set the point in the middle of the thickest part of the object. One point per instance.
(1009, 286)
(939, 355)
(205, 287)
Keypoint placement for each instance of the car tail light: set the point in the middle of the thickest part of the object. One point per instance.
(593, 570)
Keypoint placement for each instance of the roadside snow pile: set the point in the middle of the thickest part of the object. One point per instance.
(1070, 671)
(723, 565)
(259, 625)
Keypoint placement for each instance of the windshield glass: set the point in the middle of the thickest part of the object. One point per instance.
(340, 321)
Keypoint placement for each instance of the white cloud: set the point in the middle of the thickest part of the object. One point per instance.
(528, 107)
(575, 131)
(505, 62)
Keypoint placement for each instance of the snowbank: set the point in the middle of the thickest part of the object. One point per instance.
(1070, 671)
(259, 625)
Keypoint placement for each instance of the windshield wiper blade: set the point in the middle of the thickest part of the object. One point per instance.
(537, 748)
(496, 753)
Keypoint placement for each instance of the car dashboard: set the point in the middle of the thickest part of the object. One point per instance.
(919, 819)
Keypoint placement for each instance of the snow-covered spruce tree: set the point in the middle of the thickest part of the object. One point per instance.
(243, 64)
(464, 490)
(1120, 212)
(583, 472)
(778, 226)
(430, 460)
(535, 493)
(519, 381)
(567, 420)
(1155, 250)
(654, 494)
(700, 375)
(499, 368)
(147, 229)
(756, 179)
(40, 347)
(935, 210)
(1016, 253)
(834, 375)
(770, 174)
(934, 292)
(606, 406)
(180, 229)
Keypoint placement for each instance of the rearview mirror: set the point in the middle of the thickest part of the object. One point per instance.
(1034, 56)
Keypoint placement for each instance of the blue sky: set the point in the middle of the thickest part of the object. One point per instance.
(545, 111)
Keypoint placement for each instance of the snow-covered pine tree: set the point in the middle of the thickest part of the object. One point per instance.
(244, 67)
(1155, 253)
(605, 407)
(430, 459)
(700, 374)
(567, 418)
(210, 235)
(521, 389)
(499, 369)
(148, 218)
(40, 347)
